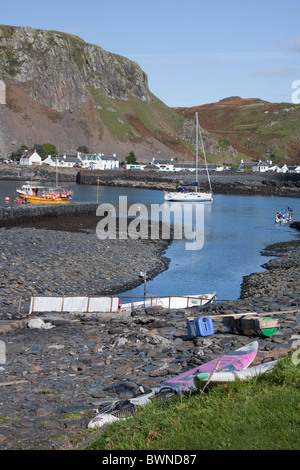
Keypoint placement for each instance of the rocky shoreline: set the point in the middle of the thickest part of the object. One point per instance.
(34, 249)
(54, 378)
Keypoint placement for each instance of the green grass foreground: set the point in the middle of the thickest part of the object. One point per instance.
(260, 414)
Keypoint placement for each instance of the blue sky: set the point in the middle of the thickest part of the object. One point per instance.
(193, 51)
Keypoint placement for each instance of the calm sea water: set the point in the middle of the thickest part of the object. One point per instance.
(236, 230)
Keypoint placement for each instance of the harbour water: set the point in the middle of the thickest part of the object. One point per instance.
(236, 230)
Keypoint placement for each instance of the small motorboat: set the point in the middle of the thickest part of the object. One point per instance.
(284, 216)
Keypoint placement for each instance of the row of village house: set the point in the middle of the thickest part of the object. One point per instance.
(99, 162)
(110, 162)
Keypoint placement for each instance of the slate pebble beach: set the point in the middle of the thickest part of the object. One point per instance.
(55, 378)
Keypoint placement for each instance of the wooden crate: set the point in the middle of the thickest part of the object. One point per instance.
(254, 325)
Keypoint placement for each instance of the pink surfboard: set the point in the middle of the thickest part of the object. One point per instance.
(236, 360)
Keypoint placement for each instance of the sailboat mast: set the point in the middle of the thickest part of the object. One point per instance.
(197, 151)
(203, 150)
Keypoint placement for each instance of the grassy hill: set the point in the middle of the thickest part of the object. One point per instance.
(255, 128)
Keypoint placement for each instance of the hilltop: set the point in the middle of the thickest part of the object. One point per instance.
(255, 128)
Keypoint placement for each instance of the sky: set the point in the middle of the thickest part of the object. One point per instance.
(194, 52)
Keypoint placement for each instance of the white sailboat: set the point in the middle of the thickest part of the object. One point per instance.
(185, 195)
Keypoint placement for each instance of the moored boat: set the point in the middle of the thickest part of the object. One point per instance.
(184, 194)
(43, 195)
(284, 216)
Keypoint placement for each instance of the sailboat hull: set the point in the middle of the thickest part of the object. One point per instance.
(188, 197)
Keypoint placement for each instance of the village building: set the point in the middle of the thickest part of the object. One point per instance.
(30, 158)
(62, 160)
(164, 165)
(134, 166)
(88, 161)
(91, 161)
(99, 161)
(294, 169)
(260, 166)
(67, 160)
(274, 168)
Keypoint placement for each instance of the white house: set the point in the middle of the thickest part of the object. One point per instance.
(99, 162)
(30, 158)
(274, 168)
(110, 162)
(262, 166)
(294, 169)
(51, 161)
(284, 169)
(257, 166)
(90, 161)
(67, 160)
(62, 160)
(134, 166)
(164, 165)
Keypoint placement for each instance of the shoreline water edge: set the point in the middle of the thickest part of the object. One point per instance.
(53, 379)
(223, 182)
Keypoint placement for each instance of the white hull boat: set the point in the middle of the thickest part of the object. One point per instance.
(185, 301)
(284, 217)
(186, 195)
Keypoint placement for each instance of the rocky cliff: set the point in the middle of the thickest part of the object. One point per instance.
(58, 70)
(62, 90)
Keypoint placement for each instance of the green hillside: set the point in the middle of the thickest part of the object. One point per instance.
(256, 128)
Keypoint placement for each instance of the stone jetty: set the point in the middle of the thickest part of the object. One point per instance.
(53, 377)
